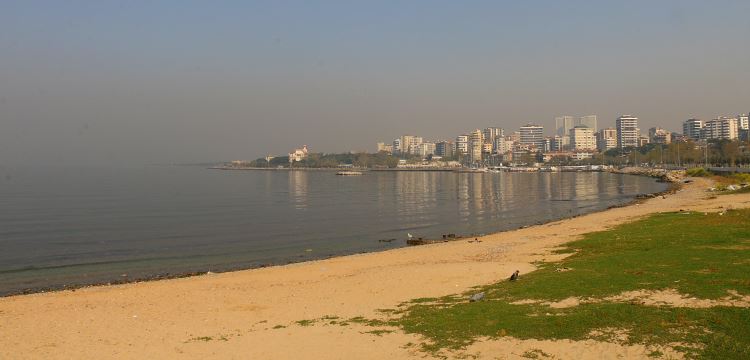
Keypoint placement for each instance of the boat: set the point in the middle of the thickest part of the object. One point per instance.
(471, 170)
(349, 173)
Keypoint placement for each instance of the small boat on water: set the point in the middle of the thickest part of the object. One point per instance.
(471, 170)
(349, 173)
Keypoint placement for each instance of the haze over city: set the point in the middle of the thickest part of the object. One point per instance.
(141, 83)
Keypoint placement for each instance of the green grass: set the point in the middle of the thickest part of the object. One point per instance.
(697, 172)
(698, 255)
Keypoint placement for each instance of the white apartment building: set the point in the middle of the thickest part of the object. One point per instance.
(385, 147)
(606, 139)
(721, 128)
(462, 144)
(476, 141)
(425, 149)
(744, 122)
(499, 145)
(492, 133)
(582, 138)
(531, 134)
(692, 128)
(658, 135)
(627, 131)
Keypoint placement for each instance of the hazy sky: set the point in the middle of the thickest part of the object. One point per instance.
(135, 82)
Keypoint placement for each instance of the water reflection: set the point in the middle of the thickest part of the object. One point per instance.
(298, 188)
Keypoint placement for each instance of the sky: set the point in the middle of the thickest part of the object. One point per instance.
(152, 82)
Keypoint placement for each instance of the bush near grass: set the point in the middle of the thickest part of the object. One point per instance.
(697, 172)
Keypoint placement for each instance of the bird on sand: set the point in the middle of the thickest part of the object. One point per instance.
(514, 277)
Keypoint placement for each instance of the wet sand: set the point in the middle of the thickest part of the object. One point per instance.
(252, 313)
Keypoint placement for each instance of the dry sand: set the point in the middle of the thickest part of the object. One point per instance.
(239, 310)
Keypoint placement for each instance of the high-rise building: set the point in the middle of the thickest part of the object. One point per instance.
(721, 128)
(410, 144)
(744, 121)
(492, 133)
(476, 141)
(397, 146)
(627, 131)
(692, 128)
(582, 138)
(557, 143)
(499, 145)
(563, 124)
(462, 144)
(606, 139)
(444, 149)
(588, 121)
(658, 135)
(532, 135)
(425, 149)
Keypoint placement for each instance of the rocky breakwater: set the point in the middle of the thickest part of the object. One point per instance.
(670, 176)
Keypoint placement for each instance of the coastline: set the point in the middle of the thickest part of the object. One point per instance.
(161, 317)
(128, 278)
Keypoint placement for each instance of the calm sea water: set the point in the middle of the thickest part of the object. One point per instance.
(72, 226)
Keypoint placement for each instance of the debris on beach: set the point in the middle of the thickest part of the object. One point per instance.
(476, 297)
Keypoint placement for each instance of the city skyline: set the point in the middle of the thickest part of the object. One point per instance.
(142, 83)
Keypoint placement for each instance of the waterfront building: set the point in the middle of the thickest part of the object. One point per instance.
(582, 138)
(606, 139)
(627, 131)
(508, 145)
(476, 141)
(642, 140)
(462, 144)
(582, 155)
(492, 133)
(410, 144)
(588, 121)
(557, 143)
(658, 135)
(425, 149)
(692, 128)
(721, 128)
(487, 148)
(514, 137)
(298, 154)
(383, 147)
(532, 134)
(397, 146)
(444, 148)
(563, 124)
(744, 122)
(499, 145)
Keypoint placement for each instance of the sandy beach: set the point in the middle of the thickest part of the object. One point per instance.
(252, 314)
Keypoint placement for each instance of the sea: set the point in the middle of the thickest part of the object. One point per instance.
(63, 227)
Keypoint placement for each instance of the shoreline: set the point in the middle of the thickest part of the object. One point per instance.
(257, 313)
(673, 186)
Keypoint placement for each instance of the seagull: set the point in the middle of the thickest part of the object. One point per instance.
(514, 277)
(409, 235)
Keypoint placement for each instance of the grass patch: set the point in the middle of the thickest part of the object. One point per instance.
(698, 172)
(664, 251)
(278, 327)
(305, 322)
(379, 332)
